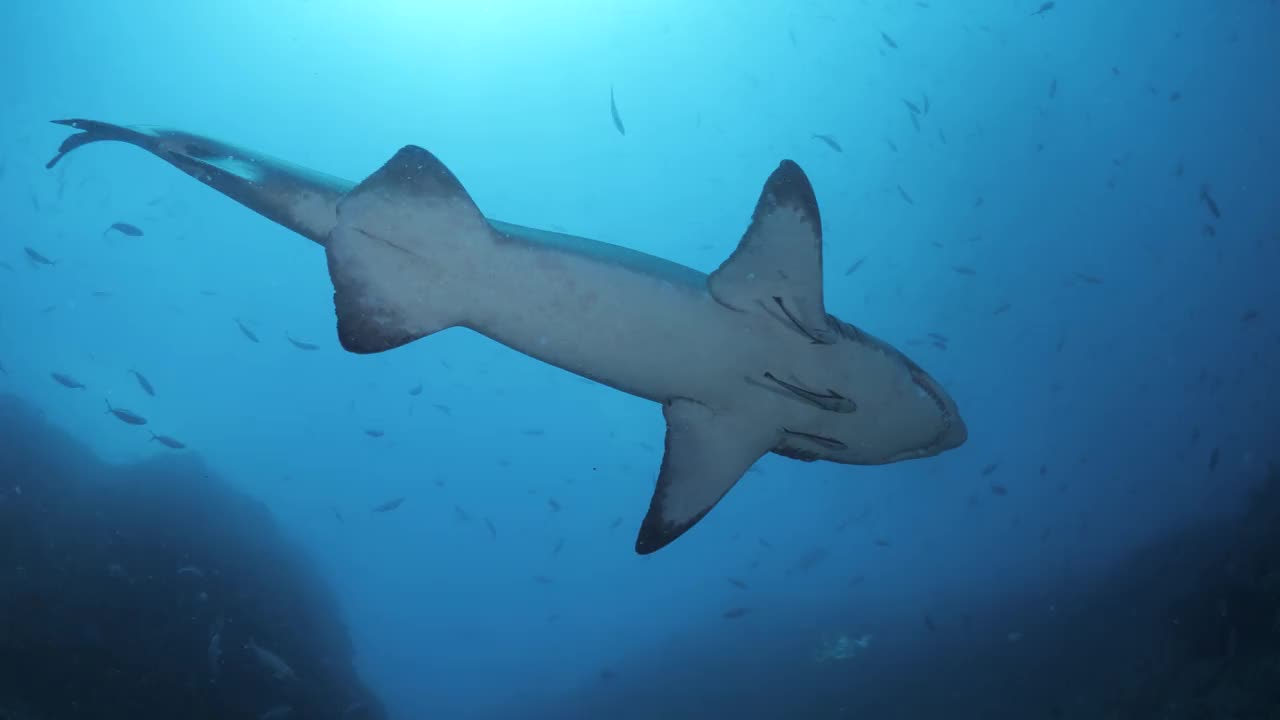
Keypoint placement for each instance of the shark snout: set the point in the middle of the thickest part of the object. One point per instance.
(954, 431)
(956, 434)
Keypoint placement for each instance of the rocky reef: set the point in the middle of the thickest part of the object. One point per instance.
(155, 590)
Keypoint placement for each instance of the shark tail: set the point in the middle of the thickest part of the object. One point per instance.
(92, 131)
(394, 256)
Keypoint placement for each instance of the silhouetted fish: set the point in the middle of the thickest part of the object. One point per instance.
(613, 110)
(416, 390)
(126, 416)
(167, 441)
(493, 531)
(1044, 8)
(389, 505)
(373, 433)
(246, 331)
(300, 344)
(888, 40)
(830, 142)
(555, 506)
(734, 613)
(144, 383)
(67, 381)
(124, 228)
(37, 258)
(1207, 198)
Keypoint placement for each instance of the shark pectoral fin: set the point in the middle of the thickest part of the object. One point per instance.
(393, 255)
(705, 456)
(778, 263)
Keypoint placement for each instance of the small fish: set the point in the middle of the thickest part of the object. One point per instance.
(939, 337)
(533, 432)
(915, 109)
(942, 136)
(1053, 88)
(463, 515)
(555, 506)
(892, 145)
(337, 514)
(830, 142)
(1175, 96)
(888, 40)
(737, 583)
(1003, 308)
(67, 381)
(988, 469)
(389, 505)
(998, 489)
(854, 267)
(559, 546)
(1248, 315)
(881, 542)
(906, 196)
(1206, 197)
(1214, 456)
(5, 265)
(734, 613)
(964, 270)
(300, 344)
(443, 408)
(270, 661)
(613, 109)
(126, 416)
(416, 390)
(915, 122)
(101, 293)
(616, 522)
(124, 228)
(167, 441)
(246, 331)
(1090, 279)
(144, 383)
(37, 258)
(542, 580)
(925, 99)
(493, 531)
(373, 433)
(978, 202)
(928, 623)
(1044, 8)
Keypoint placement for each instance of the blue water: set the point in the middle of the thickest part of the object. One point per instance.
(1107, 334)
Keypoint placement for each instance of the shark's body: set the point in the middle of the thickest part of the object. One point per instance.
(745, 361)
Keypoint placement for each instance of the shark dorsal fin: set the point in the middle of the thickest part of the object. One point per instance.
(706, 454)
(389, 253)
(777, 266)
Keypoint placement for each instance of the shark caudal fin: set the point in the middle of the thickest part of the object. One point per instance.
(400, 237)
(92, 131)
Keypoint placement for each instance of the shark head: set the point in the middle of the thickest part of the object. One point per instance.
(873, 404)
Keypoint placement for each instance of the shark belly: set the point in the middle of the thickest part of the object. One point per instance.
(647, 335)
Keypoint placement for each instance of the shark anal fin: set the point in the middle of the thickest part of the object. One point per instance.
(777, 266)
(706, 455)
(399, 236)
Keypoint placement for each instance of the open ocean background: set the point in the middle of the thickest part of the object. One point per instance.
(1111, 340)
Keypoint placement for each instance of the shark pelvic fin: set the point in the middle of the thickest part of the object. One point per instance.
(706, 455)
(777, 266)
(398, 236)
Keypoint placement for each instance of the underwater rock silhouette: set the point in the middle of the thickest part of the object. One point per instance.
(139, 592)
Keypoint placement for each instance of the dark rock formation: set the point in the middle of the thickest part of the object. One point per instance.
(141, 591)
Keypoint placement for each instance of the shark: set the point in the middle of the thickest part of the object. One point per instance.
(744, 361)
